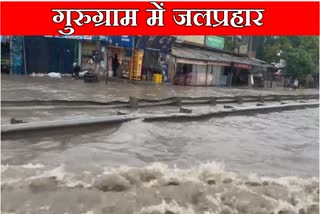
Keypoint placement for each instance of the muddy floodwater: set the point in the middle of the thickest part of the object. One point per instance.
(265, 163)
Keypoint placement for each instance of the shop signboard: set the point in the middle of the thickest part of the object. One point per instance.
(157, 43)
(136, 66)
(103, 38)
(215, 42)
(4, 39)
(197, 40)
(243, 66)
(84, 37)
(121, 41)
(69, 37)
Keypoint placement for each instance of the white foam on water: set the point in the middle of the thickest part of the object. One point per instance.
(4, 168)
(89, 212)
(59, 173)
(216, 201)
(128, 132)
(224, 191)
(165, 207)
(283, 205)
(46, 208)
(32, 166)
(200, 174)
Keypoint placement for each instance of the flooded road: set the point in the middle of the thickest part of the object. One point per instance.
(21, 88)
(242, 164)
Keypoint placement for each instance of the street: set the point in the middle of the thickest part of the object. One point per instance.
(45, 88)
(156, 167)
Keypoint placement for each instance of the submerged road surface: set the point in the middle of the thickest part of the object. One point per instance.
(21, 88)
(266, 163)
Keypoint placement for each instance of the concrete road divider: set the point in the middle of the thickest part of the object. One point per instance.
(38, 126)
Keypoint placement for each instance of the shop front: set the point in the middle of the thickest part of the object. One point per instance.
(88, 50)
(200, 73)
(201, 67)
(195, 67)
(155, 64)
(119, 56)
(216, 73)
(5, 54)
(151, 65)
(93, 54)
(190, 72)
(45, 54)
(241, 75)
(50, 54)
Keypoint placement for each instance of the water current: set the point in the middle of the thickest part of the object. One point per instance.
(265, 163)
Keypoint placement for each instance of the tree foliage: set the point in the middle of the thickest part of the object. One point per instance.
(300, 53)
(299, 63)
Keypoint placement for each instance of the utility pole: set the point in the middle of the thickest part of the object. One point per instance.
(250, 46)
(107, 66)
(24, 56)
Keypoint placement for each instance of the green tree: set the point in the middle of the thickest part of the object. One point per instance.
(231, 43)
(300, 52)
(299, 63)
(311, 45)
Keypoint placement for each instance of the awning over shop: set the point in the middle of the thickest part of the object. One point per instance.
(190, 55)
(157, 43)
(85, 37)
(121, 41)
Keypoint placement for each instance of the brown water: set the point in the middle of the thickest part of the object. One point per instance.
(43, 88)
(242, 164)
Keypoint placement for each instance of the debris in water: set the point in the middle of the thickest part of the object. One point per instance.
(227, 106)
(15, 121)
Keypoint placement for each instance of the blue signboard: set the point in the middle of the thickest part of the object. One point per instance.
(159, 43)
(4, 38)
(102, 38)
(72, 37)
(121, 41)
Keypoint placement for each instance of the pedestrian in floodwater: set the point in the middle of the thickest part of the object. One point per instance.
(295, 84)
(76, 70)
(288, 83)
(115, 65)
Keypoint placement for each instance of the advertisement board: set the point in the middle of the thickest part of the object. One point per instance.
(215, 42)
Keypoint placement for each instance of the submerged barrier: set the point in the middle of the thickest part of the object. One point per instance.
(135, 102)
(37, 126)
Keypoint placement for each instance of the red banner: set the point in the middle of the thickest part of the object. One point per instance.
(225, 18)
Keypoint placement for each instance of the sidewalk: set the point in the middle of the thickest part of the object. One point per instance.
(20, 88)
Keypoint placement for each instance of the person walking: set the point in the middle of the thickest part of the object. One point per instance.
(295, 84)
(288, 84)
(115, 65)
(76, 70)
